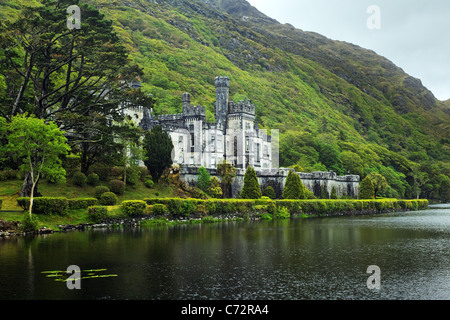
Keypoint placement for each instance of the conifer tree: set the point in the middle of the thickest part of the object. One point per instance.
(251, 188)
(366, 189)
(293, 188)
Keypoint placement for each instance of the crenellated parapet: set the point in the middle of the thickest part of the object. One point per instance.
(222, 82)
(241, 107)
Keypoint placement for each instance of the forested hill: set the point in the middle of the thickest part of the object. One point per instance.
(338, 106)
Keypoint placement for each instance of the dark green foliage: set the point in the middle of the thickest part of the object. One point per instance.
(99, 190)
(333, 194)
(117, 186)
(29, 223)
(293, 188)
(108, 199)
(45, 205)
(97, 213)
(81, 203)
(251, 188)
(159, 209)
(214, 190)
(79, 179)
(148, 183)
(366, 189)
(269, 192)
(204, 179)
(158, 149)
(134, 208)
(93, 179)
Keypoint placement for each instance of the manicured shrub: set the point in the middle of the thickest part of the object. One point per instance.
(97, 213)
(134, 208)
(93, 179)
(81, 203)
(45, 205)
(108, 199)
(251, 188)
(269, 192)
(79, 179)
(117, 186)
(294, 188)
(99, 190)
(366, 189)
(159, 209)
(104, 172)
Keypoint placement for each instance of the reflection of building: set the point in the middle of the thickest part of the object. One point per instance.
(234, 136)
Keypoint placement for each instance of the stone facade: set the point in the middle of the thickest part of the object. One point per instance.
(236, 138)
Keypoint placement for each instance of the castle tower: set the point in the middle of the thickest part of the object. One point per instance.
(222, 96)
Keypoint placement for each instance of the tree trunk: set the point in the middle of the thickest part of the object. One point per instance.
(27, 187)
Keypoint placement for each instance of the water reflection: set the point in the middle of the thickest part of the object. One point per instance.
(322, 258)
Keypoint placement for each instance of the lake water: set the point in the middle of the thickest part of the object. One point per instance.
(314, 259)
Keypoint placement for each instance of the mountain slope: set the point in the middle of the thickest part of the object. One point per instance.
(322, 94)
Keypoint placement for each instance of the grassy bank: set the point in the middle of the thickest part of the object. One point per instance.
(165, 203)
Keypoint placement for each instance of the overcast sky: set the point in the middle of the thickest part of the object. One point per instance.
(413, 34)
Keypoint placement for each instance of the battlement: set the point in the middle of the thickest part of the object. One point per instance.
(170, 117)
(241, 107)
(194, 111)
(222, 82)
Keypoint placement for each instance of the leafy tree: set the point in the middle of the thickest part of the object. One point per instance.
(330, 156)
(214, 190)
(444, 188)
(379, 182)
(76, 78)
(227, 174)
(38, 146)
(251, 188)
(366, 189)
(293, 188)
(158, 148)
(204, 179)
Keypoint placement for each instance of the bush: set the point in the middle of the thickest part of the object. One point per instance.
(29, 224)
(97, 213)
(8, 175)
(108, 199)
(93, 179)
(133, 174)
(269, 192)
(79, 179)
(294, 188)
(251, 189)
(45, 205)
(282, 213)
(366, 189)
(81, 203)
(134, 208)
(117, 186)
(104, 172)
(149, 183)
(99, 190)
(159, 209)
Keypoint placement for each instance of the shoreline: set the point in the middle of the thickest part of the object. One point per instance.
(155, 221)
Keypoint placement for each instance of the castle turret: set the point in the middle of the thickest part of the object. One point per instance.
(222, 96)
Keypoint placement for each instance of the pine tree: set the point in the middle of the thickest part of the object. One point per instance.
(158, 147)
(366, 189)
(293, 188)
(251, 188)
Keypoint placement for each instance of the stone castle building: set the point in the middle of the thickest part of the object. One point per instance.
(234, 137)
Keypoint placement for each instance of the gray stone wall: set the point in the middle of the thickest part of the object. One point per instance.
(344, 185)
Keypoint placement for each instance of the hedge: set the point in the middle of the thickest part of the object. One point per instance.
(134, 208)
(81, 203)
(97, 213)
(45, 205)
(183, 207)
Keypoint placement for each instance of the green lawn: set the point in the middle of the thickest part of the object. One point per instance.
(9, 192)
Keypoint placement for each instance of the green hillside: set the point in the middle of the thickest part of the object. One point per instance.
(338, 106)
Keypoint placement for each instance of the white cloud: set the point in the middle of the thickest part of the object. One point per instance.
(415, 35)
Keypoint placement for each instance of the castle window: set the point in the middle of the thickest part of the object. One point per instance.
(247, 144)
(257, 152)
